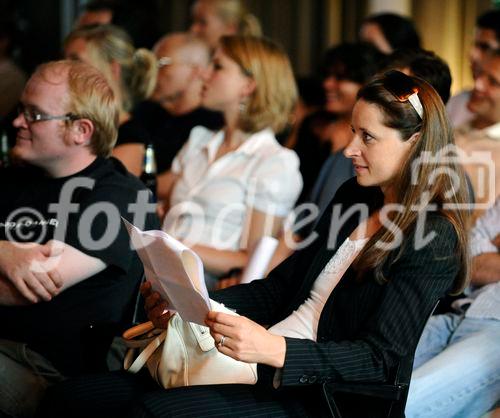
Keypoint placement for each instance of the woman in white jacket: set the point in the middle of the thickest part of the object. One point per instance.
(228, 189)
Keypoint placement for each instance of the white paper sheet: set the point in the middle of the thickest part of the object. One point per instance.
(174, 270)
(259, 260)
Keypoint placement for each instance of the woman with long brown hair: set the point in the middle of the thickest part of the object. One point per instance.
(352, 305)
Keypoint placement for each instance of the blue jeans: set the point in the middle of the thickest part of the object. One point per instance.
(456, 372)
(24, 377)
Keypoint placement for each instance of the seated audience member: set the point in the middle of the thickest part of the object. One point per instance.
(486, 41)
(130, 72)
(337, 168)
(348, 310)
(226, 190)
(424, 64)
(213, 19)
(323, 137)
(69, 196)
(174, 107)
(388, 32)
(457, 366)
(346, 68)
(482, 133)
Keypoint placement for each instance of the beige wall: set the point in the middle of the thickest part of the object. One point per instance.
(446, 31)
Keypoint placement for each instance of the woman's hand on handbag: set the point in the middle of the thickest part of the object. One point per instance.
(156, 307)
(245, 340)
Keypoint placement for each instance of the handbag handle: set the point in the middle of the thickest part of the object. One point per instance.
(145, 354)
(137, 330)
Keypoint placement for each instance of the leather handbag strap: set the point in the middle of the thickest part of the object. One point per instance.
(145, 354)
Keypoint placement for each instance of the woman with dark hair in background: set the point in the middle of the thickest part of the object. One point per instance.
(388, 32)
(425, 65)
(345, 69)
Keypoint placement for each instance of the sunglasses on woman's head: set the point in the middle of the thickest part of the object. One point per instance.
(403, 89)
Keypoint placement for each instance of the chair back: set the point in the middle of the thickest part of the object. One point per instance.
(389, 397)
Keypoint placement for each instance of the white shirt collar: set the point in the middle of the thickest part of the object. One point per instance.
(251, 144)
(213, 145)
(256, 140)
(493, 131)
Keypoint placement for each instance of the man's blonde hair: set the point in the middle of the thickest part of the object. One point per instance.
(90, 97)
(275, 95)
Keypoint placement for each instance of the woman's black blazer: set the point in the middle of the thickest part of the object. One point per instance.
(365, 328)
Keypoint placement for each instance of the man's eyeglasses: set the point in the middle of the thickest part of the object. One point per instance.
(164, 61)
(33, 115)
(403, 89)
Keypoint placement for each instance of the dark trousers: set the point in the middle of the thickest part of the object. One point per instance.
(121, 394)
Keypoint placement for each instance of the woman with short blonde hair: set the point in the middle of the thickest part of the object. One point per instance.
(232, 187)
(272, 103)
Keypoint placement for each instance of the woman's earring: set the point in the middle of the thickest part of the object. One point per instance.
(243, 106)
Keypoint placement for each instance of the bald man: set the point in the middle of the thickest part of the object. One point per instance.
(174, 108)
(182, 60)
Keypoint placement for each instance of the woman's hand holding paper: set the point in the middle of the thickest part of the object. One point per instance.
(156, 307)
(242, 339)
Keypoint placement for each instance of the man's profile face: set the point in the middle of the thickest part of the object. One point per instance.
(485, 98)
(485, 42)
(43, 143)
(174, 76)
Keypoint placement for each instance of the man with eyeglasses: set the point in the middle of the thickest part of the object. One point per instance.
(174, 108)
(65, 258)
(486, 41)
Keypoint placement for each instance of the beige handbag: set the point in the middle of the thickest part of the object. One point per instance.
(184, 355)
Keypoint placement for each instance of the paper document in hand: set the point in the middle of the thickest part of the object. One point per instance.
(175, 272)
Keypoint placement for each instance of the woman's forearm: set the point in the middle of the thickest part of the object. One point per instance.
(220, 261)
